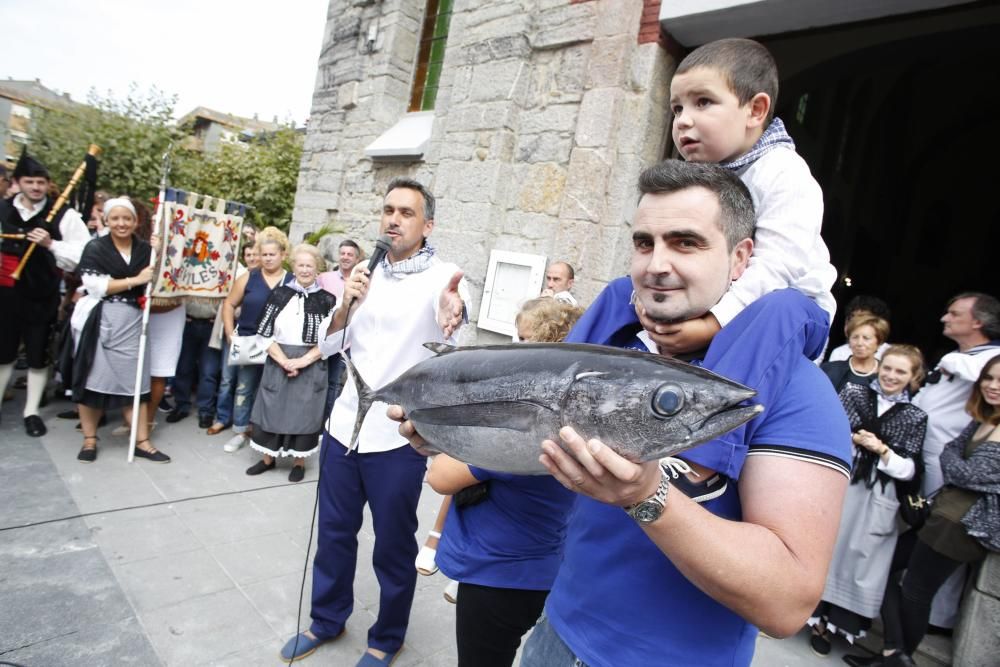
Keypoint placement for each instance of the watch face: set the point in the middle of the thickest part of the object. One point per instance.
(648, 511)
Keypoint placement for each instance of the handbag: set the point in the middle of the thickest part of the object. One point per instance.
(246, 351)
(913, 507)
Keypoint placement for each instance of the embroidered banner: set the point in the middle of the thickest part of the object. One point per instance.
(200, 246)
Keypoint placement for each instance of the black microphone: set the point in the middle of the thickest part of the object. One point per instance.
(381, 248)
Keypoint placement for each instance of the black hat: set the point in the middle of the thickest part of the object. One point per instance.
(29, 166)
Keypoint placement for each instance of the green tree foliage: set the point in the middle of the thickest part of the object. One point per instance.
(261, 173)
(135, 132)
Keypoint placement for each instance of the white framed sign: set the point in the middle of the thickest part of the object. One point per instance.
(511, 279)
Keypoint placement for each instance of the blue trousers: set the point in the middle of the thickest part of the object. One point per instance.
(389, 482)
(237, 390)
(198, 363)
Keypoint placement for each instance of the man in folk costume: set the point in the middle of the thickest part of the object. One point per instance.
(30, 304)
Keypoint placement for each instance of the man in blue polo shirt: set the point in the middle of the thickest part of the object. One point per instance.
(662, 568)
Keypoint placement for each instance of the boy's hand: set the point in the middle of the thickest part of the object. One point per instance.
(680, 337)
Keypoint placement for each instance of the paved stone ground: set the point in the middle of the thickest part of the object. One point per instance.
(208, 581)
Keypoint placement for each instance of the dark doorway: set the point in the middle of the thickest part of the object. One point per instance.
(900, 123)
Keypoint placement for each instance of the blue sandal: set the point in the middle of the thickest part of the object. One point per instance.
(369, 660)
(302, 645)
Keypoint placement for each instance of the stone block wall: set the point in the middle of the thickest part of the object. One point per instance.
(547, 111)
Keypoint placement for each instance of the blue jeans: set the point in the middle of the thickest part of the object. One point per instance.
(237, 391)
(198, 362)
(545, 648)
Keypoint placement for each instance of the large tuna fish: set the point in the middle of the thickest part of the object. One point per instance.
(492, 406)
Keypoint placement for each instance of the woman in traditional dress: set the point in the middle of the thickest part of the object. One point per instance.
(865, 334)
(287, 416)
(114, 269)
(249, 294)
(963, 526)
(888, 435)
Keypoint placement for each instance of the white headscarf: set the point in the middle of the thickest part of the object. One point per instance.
(119, 201)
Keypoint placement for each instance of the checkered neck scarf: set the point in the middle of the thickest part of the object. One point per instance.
(421, 261)
(901, 397)
(774, 136)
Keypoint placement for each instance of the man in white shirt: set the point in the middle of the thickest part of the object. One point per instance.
(412, 297)
(30, 304)
(972, 320)
(559, 279)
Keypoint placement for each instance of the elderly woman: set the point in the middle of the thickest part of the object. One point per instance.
(865, 333)
(107, 325)
(249, 294)
(888, 435)
(964, 524)
(287, 416)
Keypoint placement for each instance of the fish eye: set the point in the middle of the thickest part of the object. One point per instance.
(668, 400)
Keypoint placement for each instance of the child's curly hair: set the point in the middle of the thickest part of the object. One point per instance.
(548, 319)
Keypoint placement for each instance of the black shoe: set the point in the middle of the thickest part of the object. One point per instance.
(898, 659)
(297, 474)
(260, 466)
(864, 660)
(155, 456)
(34, 426)
(204, 421)
(820, 643)
(165, 405)
(68, 414)
(88, 454)
(175, 416)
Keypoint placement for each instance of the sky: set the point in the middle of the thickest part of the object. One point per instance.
(241, 57)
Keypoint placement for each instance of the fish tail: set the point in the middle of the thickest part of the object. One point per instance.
(365, 399)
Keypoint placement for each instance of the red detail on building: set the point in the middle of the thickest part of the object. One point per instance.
(649, 23)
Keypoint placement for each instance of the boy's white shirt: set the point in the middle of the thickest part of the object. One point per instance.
(788, 249)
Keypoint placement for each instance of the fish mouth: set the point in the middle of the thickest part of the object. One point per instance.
(725, 421)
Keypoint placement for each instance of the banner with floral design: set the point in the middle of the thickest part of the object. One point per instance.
(200, 246)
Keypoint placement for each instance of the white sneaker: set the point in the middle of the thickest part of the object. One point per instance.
(235, 443)
(451, 592)
(121, 430)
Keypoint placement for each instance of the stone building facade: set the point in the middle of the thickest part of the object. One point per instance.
(547, 110)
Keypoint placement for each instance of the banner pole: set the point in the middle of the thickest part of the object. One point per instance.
(161, 222)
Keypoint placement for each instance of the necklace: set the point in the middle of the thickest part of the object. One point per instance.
(850, 363)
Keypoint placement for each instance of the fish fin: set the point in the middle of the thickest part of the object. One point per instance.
(511, 415)
(365, 399)
(439, 348)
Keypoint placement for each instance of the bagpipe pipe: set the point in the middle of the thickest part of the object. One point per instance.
(89, 167)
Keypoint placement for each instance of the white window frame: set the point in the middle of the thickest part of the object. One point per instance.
(504, 291)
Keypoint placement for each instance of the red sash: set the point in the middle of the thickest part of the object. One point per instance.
(8, 263)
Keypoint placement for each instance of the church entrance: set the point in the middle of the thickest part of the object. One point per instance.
(900, 123)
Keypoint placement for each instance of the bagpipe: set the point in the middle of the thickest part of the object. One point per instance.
(89, 167)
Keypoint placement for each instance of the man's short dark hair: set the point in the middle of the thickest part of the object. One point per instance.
(569, 269)
(747, 66)
(986, 309)
(737, 219)
(348, 243)
(411, 184)
(872, 304)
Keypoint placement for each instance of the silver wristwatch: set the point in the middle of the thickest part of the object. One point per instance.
(650, 509)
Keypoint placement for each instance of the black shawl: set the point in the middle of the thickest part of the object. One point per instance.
(901, 428)
(101, 257)
(318, 305)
